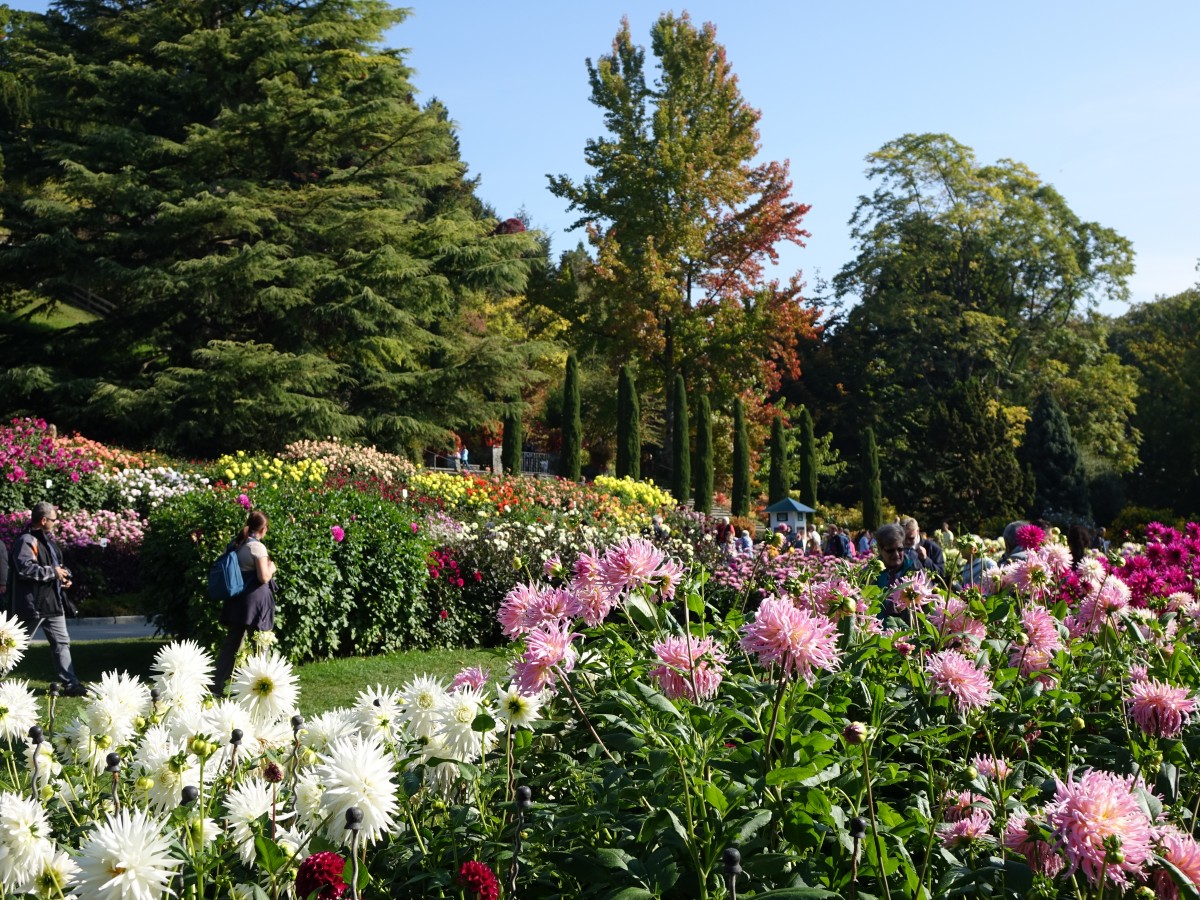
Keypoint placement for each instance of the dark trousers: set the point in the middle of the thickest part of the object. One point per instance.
(228, 656)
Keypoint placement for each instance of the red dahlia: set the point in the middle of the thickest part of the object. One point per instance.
(479, 881)
(321, 872)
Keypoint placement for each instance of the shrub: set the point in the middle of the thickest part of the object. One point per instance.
(365, 593)
(35, 466)
(351, 460)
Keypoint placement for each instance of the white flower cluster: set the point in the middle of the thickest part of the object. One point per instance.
(197, 783)
(148, 488)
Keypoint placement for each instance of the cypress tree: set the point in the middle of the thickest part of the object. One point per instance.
(572, 426)
(681, 457)
(808, 460)
(704, 457)
(741, 461)
(872, 490)
(629, 427)
(510, 451)
(1050, 450)
(779, 480)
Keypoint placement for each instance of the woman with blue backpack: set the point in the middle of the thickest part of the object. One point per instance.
(253, 607)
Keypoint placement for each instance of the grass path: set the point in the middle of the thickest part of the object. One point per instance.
(323, 685)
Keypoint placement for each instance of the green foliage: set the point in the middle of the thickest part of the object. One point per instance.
(513, 440)
(1162, 340)
(808, 460)
(703, 469)
(366, 594)
(969, 271)
(780, 477)
(975, 477)
(1050, 452)
(681, 454)
(741, 461)
(572, 427)
(872, 503)
(629, 427)
(286, 232)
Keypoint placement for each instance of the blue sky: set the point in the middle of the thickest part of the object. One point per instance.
(1101, 99)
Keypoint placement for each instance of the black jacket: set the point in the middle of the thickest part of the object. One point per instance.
(33, 585)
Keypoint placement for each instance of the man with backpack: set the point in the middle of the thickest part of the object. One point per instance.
(37, 584)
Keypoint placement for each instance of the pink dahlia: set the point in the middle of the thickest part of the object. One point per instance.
(479, 882)
(796, 639)
(321, 872)
(546, 648)
(473, 678)
(628, 564)
(1030, 537)
(973, 827)
(958, 806)
(1181, 851)
(1088, 811)
(1159, 709)
(956, 676)
(996, 767)
(913, 592)
(337, 532)
(1022, 836)
(514, 607)
(952, 617)
(686, 661)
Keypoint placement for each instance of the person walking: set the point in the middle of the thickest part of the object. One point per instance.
(254, 608)
(37, 586)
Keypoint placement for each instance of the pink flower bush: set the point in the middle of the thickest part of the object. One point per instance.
(687, 662)
(1094, 808)
(798, 641)
(1159, 709)
(954, 675)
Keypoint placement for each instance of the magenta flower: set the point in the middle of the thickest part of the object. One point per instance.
(1159, 709)
(514, 609)
(957, 677)
(1088, 811)
(244, 500)
(794, 638)
(976, 826)
(687, 661)
(1030, 537)
(339, 533)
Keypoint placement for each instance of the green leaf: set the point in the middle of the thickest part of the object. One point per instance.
(268, 853)
(632, 893)
(750, 828)
(655, 700)
(807, 893)
(611, 858)
(483, 723)
(715, 798)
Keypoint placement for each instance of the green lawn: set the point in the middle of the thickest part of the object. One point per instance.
(323, 685)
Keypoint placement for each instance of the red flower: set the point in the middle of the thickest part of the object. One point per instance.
(444, 614)
(321, 872)
(479, 881)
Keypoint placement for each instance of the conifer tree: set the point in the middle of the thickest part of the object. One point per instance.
(741, 461)
(704, 457)
(1050, 450)
(254, 190)
(629, 427)
(510, 451)
(569, 462)
(779, 479)
(808, 460)
(681, 457)
(872, 488)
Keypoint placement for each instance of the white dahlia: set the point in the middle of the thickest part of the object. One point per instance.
(183, 671)
(14, 640)
(267, 686)
(18, 709)
(127, 857)
(357, 771)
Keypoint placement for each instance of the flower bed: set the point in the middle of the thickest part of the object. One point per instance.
(645, 743)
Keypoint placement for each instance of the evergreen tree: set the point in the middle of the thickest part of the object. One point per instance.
(976, 478)
(872, 489)
(254, 190)
(510, 451)
(572, 427)
(808, 460)
(741, 461)
(1051, 452)
(681, 456)
(779, 480)
(704, 457)
(629, 427)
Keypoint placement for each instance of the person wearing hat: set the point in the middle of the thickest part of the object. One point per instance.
(37, 580)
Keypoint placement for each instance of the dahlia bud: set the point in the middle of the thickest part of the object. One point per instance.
(972, 773)
(1077, 724)
(272, 774)
(855, 733)
(1021, 640)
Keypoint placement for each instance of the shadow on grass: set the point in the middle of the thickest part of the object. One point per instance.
(92, 659)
